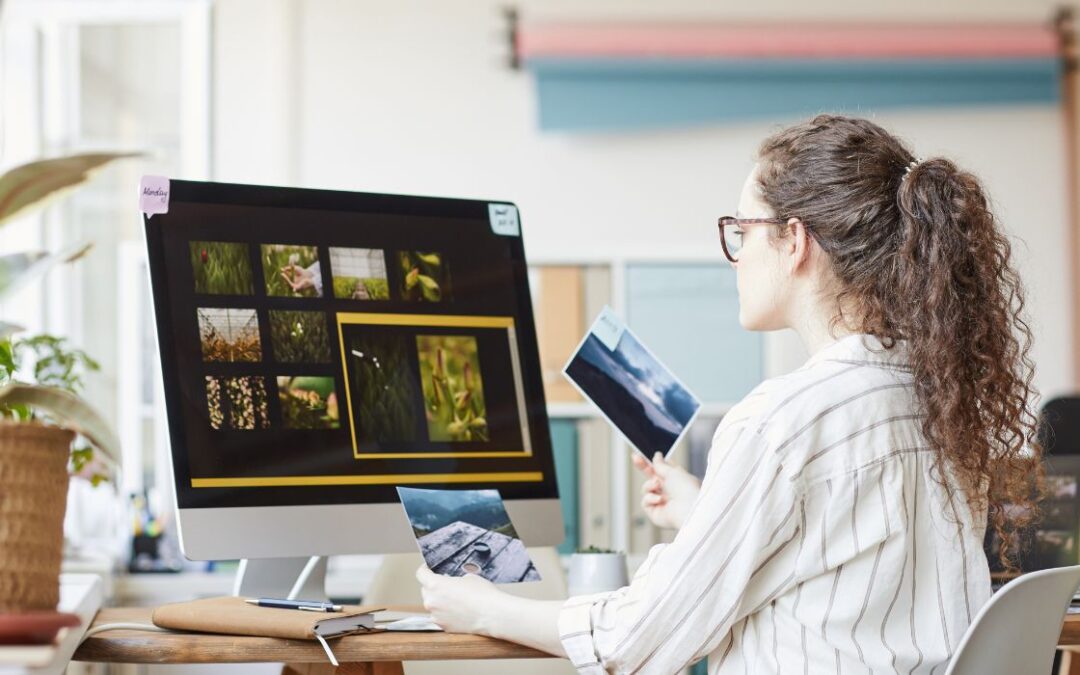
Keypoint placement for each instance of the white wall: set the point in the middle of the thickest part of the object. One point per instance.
(415, 97)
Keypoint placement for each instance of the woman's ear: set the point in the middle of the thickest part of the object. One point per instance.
(801, 242)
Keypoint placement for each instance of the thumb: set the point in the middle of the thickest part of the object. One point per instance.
(660, 465)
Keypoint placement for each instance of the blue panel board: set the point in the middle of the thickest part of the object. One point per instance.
(618, 94)
(564, 442)
(689, 316)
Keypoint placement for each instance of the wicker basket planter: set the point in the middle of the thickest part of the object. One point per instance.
(33, 497)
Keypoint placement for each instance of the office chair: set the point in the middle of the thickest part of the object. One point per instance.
(1026, 614)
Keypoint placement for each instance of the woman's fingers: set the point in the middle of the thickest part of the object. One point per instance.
(642, 464)
(653, 499)
(652, 485)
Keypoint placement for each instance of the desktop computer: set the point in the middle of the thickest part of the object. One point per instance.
(320, 348)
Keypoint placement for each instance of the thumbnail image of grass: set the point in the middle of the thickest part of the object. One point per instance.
(237, 402)
(308, 402)
(359, 274)
(221, 268)
(299, 337)
(229, 334)
(425, 276)
(453, 388)
(292, 271)
(381, 388)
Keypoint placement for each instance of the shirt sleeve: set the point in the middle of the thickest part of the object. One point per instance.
(735, 554)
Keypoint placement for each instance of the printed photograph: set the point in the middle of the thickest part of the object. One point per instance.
(292, 271)
(237, 402)
(425, 276)
(381, 388)
(359, 274)
(299, 337)
(308, 402)
(453, 388)
(229, 334)
(467, 532)
(221, 268)
(634, 390)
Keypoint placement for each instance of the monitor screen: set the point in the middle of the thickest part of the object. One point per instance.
(325, 347)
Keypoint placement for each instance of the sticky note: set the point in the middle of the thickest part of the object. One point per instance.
(153, 195)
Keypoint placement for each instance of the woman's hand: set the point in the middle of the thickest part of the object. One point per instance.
(669, 492)
(459, 604)
(297, 277)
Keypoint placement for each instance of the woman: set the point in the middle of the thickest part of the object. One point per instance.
(840, 524)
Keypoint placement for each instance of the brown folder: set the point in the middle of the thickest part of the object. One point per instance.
(233, 616)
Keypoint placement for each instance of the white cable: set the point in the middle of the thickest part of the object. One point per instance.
(303, 577)
(122, 626)
(238, 580)
(326, 648)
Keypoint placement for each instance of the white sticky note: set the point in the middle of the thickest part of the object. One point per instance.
(504, 220)
(153, 195)
(609, 328)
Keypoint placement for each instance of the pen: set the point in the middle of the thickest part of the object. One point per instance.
(305, 605)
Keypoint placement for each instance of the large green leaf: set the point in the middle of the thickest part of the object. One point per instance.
(37, 183)
(68, 410)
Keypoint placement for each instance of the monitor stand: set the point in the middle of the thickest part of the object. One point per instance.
(278, 577)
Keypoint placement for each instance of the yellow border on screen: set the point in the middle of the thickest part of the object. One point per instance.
(440, 320)
(394, 479)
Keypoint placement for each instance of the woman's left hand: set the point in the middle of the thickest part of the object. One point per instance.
(458, 604)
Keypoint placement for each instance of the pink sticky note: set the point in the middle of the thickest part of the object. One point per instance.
(154, 195)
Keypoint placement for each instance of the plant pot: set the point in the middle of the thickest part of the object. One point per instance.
(33, 497)
(596, 573)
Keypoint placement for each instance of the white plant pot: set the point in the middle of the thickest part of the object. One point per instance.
(596, 573)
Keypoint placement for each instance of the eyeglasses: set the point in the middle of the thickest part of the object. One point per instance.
(731, 232)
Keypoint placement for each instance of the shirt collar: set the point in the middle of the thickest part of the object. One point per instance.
(862, 347)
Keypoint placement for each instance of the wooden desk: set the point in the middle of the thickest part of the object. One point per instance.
(371, 654)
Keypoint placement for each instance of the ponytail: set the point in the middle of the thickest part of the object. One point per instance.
(916, 248)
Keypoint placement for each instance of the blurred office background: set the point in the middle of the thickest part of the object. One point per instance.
(619, 153)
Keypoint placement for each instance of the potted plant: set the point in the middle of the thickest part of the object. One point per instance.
(41, 417)
(595, 570)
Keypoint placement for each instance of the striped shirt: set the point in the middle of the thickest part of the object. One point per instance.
(821, 541)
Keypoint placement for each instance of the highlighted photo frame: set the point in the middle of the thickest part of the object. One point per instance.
(421, 321)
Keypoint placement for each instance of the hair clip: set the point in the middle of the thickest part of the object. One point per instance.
(914, 163)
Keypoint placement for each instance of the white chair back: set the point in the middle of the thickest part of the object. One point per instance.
(1018, 630)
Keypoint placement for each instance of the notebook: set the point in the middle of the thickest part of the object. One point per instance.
(233, 616)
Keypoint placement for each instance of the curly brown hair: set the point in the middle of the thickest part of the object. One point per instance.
(916, 249)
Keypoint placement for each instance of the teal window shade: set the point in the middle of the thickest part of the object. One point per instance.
(564, 442)
(688, 315)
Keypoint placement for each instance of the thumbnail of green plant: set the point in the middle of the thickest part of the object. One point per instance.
(308, 402)
(359, 273)
(237, 402)
(227, 334)
(299, 337)
(292, 271)
(221, 268)
(381, 388)
(425, 277)
(453, 388)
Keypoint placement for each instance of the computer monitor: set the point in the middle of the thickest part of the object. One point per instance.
(320, 348)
